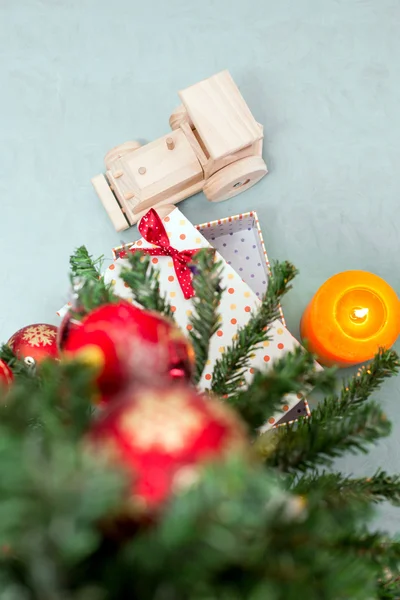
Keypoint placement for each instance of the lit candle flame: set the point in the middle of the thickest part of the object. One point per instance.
(359, 314)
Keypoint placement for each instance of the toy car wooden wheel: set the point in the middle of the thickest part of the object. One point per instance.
(235, 178)
(120, 151)
(179, 116)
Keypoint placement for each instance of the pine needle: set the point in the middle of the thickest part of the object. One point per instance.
(17, 366)
(317, 441)
(338, 489)
(90, 290)
(230, 369)
(83, 265)
(205, 318)
(293, 373)
(144, 282)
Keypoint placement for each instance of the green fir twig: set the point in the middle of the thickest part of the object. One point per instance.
(90, 289)
(383, 551)
(91, 294)
(17, 366)
(389, 589)
(205, 318)
(317, 441)
(359, 388)
(83, 265)
(229, 370)
(293, 373)
(144, 282)
(337, 488)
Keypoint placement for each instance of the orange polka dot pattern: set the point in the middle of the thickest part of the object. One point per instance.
(237, 304)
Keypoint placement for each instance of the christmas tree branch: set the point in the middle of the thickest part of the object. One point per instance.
(382, 552)
(389, 589)
(205, 318)
(379, 547)
(337, 489)
(230, 369)
(60, 399)
(144, 283)
(17, 366)
(359, 389)
(293, 373)
(91, 294)
(90, 290)
(316, 441)
(82, 264)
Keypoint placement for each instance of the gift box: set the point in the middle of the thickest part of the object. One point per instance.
(239, 244)
(239, 241)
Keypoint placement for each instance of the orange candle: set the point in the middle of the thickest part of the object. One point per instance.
(350, 317)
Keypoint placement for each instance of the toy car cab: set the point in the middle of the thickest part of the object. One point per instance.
(215, 146)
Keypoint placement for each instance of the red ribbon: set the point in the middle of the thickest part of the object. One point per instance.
(153, 231)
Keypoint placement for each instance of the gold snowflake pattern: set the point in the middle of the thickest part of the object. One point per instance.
(39, 335)
(164, 423)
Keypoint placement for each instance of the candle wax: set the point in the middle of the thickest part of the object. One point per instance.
(350, 317)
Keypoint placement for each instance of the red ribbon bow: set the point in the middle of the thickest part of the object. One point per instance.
(153, 231)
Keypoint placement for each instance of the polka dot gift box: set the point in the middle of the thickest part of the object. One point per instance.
(239, 243)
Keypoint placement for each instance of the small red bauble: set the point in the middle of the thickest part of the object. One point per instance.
(127, 343)
(6, 375)
(162, 436)
(35, 342)
(67, 324)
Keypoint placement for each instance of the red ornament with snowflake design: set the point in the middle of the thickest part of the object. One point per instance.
(130, 344)
(6, 375)
(162, 437)
(34, 343)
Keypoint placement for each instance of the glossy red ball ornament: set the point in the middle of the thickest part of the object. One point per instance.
(34, 343)
(67, 324)
(129, 344)
(6, 375)
(162, 437)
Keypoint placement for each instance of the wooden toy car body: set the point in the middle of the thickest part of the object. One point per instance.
(215, 146)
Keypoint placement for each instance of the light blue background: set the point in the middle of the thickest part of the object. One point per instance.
(323, 76)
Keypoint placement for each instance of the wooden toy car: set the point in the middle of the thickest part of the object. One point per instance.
(215, 146)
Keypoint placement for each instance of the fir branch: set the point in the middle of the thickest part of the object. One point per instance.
(378, 547)
(293, 373)
(61, 396)
(17, 366)
(144, 283)
(229, 370)
(337, 489)
(205, 318)
(91, 294)
(389, 589)
(359, 389)
(89, 287)
(316, 441)
(84, 266)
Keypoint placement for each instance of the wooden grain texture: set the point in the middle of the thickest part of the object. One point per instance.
(124, 190)
(167, 172)
(179, 116)
(119, 151)
(213, 166)
(109, 202)
(173, 199)
(193, 141)
(220, 115)
(235, 178)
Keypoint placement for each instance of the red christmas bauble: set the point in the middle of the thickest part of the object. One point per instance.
(162, 437)
(34, 343)
(6, 375)
(127, 343)
(67, 324)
